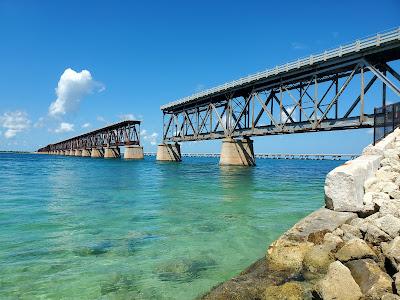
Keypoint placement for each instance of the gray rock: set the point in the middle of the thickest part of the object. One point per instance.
(373, 282)
(288, 291)
(392, 252)
(396, 278)
(355, 249)
(375, 198)
(390, 297)
(389, 187)
(370, 185)
(316, 261)
(391, 207)
(332, 241)
(350, 232)
(391, 162)
(376, 236)
(395, 194)
(338, 284)
(397, 182)
(338, 232)
(389, 224)
(391, 153)
(384, 175)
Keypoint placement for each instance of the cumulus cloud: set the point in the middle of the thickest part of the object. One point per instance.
(14, 122)
(101, 119)
(71, 88)
(151, 138)
(64, 127)
(86, 125)
(39, 123)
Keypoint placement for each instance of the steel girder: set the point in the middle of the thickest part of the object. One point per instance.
(312, 101)
(121, 134)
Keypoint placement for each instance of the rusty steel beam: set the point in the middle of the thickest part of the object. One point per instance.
(125, 133)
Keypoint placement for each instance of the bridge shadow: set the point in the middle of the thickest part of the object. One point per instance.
(236, 182)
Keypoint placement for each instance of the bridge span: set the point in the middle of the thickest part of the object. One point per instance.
(103, 142)
(275, 156)
(333, 90)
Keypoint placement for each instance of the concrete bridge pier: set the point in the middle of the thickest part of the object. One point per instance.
(96, 153)
(78, 152)
(169, 152)
(71, 152)
(133, 152)
(86, 153)
(237, 152)
(112, 152)
(62, 152)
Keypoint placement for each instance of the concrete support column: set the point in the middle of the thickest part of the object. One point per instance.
(61, 152)
(96, 152)
(71, 152)
(78, 152)
(111, 152)
(86, 153)
(133, 152)
(169, 152)
(237, 152)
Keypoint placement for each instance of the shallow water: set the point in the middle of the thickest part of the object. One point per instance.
(113, 229)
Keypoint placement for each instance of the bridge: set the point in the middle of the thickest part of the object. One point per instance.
(103, 142)
(275, 156)
(307, 95)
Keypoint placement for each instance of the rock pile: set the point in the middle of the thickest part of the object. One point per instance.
(360, 259)
(348, 250)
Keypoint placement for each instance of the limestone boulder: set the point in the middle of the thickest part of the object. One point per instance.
(350, 232)
(389, 224)
(374, 235)
(384, 174)
(396, 278)
(344, 185)
(332, 242)
(391, 207)
(391, 162)
(392, 252)
(287, 256)
(390, 297)
(373, 282)
(373, 199)
(392, 153)
(395, 195)
(288, 291)
(338, 284)
(316, 261)
(389, 187)
(355, 249)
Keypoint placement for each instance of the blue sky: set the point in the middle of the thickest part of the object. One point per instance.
(140, 55)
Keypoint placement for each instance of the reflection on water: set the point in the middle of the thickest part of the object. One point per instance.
(113, 229)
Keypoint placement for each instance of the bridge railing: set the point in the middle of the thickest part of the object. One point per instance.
(386, 120)
(376, 40)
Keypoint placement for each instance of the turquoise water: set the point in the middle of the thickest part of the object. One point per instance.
(81, 228)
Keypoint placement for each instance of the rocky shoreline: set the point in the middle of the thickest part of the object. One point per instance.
(350, 249)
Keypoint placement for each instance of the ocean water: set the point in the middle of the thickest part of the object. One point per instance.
(82, 228)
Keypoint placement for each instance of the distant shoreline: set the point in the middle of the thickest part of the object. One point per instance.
(17, 152)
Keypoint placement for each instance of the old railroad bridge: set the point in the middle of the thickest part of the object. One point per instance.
(312, 94)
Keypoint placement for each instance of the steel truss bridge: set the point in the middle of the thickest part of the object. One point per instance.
(275, 156)
(125, 133)
(311, 94)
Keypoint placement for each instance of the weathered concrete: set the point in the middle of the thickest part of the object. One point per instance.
(96, 153)
(71, 152)
(78, 152)
(237, 152)
(133, 152)
(169, 152)
(86, 153)
(344, 185)
(111, 152)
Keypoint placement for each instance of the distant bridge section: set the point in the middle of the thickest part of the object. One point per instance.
(334, 90)
(103, 142)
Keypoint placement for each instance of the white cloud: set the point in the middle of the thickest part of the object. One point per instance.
(151, 138)
(71, 88)
(64, 127)
(298, 46)
(284, 117)
(39, 123)
(86, 125)
(14, 122)
(127, 117)
(101, 119)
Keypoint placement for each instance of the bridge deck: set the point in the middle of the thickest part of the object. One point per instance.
(381, 44)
